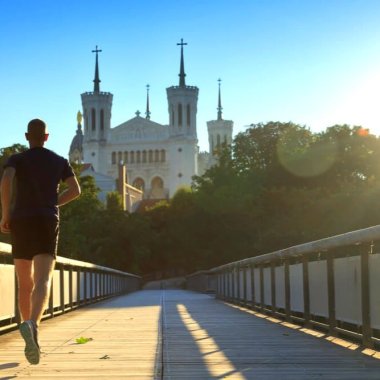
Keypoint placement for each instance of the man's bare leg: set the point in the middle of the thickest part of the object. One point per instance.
(24, 272)
(43, 270)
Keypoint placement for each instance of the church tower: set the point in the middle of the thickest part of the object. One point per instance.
(97, 107)
(182, 103)
(182, 107)
(219, 130)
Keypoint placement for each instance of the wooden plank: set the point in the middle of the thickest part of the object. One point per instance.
(205, 339)
(124, 334)
(202, 338)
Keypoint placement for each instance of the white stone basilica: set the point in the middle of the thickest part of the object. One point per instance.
(159, 158)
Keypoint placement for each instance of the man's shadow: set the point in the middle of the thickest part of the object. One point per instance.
(7, 366)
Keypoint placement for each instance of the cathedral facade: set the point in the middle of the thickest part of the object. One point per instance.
(159, 159)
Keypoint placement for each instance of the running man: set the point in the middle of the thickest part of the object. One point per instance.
(34, 224)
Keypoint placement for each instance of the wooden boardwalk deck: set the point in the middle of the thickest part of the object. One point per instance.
(180, 335)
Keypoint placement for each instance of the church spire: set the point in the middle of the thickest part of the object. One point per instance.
(219, 103)
(182, 74)
(147, 113)
(96, 80)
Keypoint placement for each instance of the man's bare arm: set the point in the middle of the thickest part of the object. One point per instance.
(73, 191)
(6, 196)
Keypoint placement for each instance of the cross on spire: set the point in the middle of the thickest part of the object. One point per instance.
(182, 74)
(96, 50)
(182, 43)
(96, 79)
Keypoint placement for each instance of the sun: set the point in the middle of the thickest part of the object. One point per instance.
(358, 104)
(361, 105)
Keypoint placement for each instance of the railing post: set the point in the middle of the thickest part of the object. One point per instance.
(232, 284)
(306, 290)
(96, 295)
(287, 289)
(253, 301)
(331, 293)
(365, 292)
(225, 284)
(220, 292)
(17, 311)
(262, 287)
(85, 290)
(91, 273)
(51, 298)
(62, 288)
(238, 284)
(245, 296)
(71, 287)
(78, 287)
(219, 285)
(273, 286)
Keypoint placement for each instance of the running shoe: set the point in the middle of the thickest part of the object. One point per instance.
(28, 330)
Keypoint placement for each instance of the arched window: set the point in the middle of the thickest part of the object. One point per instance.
(126, 157)
(144, 156)
(119, 157)
(151, 156)
(139, 183)
(180, 115)
(163, 155)
(102, 120)
(113, 159)
(156, 155)
(157, 188)
(172, 123)
(132, 157)
(138, 156)
(218, 140)
(188, 115)
(93, 119)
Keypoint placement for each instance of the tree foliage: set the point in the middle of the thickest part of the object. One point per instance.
(5, 153)
(278, 185)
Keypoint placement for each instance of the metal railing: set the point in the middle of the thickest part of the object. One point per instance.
(331, 284)
(74, 284)
(202, 281)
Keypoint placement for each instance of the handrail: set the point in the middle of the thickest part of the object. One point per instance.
(6, 249)
(357, 237)
(75, 283)
(331, 284)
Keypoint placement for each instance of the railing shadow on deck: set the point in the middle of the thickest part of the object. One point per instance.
(75, 284)
(331, 284)
(227, 341)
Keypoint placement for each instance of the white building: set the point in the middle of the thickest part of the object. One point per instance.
(159, 158)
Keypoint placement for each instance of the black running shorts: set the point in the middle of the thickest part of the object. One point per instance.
(34, 235)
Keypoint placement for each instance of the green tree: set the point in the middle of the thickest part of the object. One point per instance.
(78, 221)
(114, 201)
(5, 153)
(356, 156)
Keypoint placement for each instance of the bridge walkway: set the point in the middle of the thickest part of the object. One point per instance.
(174, 334)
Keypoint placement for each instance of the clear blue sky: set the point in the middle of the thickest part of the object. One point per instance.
(312, 62)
